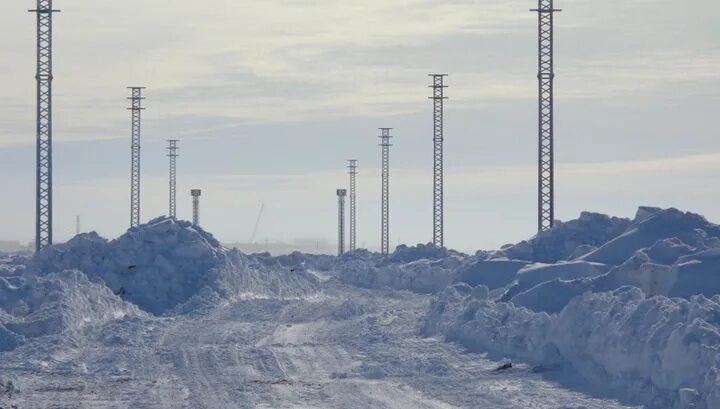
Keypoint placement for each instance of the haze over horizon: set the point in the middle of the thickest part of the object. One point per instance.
(270, 100)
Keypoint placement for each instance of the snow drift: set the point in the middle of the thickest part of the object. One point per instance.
(659, 351)
(166, 263)
(59, 304)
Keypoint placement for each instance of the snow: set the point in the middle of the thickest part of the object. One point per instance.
(166, 263)
(422, 268)
(650, 348)
(568, 240)
(598, 312)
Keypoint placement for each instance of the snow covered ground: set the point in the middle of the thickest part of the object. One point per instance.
(165, 317)
(349, 348)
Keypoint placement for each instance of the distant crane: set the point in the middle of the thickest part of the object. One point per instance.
(257, 223)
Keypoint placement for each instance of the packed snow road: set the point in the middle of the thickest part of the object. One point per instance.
(345, 348)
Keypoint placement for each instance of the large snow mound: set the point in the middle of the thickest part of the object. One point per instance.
(664, 252)
(648, 229)
(658, 351)
(59, 304)
(569, 239)
(167, 263)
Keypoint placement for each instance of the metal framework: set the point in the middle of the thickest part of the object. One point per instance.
(195, 193)
(352, 167)
(341, 194)
(172, 154)
(44, 78)
(136, 109)
(385, 219)
(438, 99)
(546, 76)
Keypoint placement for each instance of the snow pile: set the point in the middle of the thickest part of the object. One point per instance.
(423, 268)
(60, 304)
(657, 350)
(166, 263)
(665, 252)
(494, 273)
(536, 274)
(683, 228)
(568, 240)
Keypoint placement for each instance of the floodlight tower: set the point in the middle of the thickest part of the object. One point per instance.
(546, 76)
(438, 98)
(385, 222)
(341, 193)
(195, 193)
(353, 166)
(135, 109)
(172, 154)
(44, 78)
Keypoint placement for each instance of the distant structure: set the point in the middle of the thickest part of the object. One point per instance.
(353, 166)
(257, 224)
(136, 109)
(385, 222)
(195, 193)
(172, 154)
(77, 225)
(546, 76)
(438, 99)
(341, 193)
(44, 78)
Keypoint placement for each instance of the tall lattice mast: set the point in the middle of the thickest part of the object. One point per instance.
(172, 154)
(136, 109)
(546, 76)
(385, 219)
(44, 78)
(341, 193)
(195, 193)
(353, 166)
(438, 98)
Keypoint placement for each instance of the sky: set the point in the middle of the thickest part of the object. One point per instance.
(270, 98)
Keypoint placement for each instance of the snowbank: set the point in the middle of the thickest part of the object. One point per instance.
(166, 263)
(569, 239)
(536, 274)
(683, 228)
(59, 304)
(496, 273)
(657, 351)
(664, 252)
(423, 268)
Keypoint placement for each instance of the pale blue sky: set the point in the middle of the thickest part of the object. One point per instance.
(269, 99)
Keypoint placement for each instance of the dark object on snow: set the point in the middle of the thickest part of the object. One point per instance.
(504, 367)
(121, 291)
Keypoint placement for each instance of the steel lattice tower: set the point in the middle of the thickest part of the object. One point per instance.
(438, 99)
(353, 166)
(44, 78)
(172, 154)
(385, 226)
(136, 109)
(546, 76)
(341, 193)
(195, 193)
